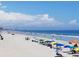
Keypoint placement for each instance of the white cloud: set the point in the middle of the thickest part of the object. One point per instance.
(12, 19)
(19, 16)
(19, 19)
(73, 22)
(14, 16)
(2, 6)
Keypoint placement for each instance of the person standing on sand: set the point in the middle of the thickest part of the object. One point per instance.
(1, 37)
(27, 38)
(54, 38)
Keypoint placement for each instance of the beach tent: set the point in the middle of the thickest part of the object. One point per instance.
(53, 43)
(59, 44)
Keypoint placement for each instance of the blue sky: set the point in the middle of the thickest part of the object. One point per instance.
(40, 15)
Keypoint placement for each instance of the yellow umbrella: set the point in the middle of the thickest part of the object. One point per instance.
(53, 43)
(76, 49)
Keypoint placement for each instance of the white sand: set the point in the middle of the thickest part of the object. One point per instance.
(17, 46)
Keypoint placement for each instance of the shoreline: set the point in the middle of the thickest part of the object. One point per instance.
(34, 33)
(22, 47)
(46, 36)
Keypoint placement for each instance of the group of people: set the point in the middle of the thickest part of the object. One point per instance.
(73, 49)
(58, 47)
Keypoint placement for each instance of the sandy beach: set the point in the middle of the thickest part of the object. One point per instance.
(17, 46)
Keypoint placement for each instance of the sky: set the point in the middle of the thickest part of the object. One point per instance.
(39, 15)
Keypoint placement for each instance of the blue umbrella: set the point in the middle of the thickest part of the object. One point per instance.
(67, 46)
(59, 44)
(71, 46)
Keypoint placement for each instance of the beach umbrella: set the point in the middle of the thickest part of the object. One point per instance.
(71, 46)
(53, 43)
(73, 41)
(68, 46)
(78, 44)
(76, 49)
(59, 44)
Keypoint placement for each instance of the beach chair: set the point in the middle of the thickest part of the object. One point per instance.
(59, 49)
(59, 45)
(75, 52)
(41, 41)
(35, 41)
(47, 42)
(76, 55)
(58, 55)
(72, 51)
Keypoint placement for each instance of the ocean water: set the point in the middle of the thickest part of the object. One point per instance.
(59, 32)
(48, 33)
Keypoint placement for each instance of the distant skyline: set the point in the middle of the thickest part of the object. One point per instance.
(39, 15)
